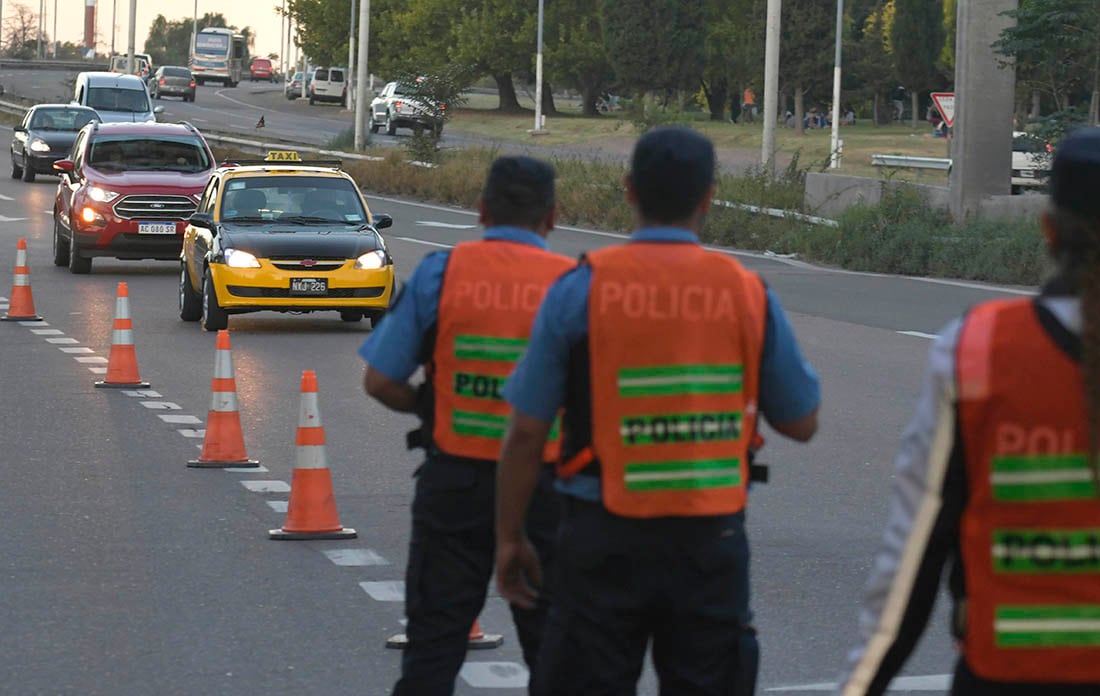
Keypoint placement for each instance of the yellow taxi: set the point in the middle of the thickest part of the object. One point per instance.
(285, 235)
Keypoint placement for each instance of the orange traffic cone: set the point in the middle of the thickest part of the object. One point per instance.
(223, 445)
(311, 512)
(21, 307)
(476, 641)
(122, 369)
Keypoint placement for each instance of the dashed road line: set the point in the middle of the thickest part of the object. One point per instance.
(77, 350)
(385, 590)
(267, 486)
(162, 405)
(180, 419)
(57, 341)
(261, 469)
(495, 675)
(355, 557)
(192, 432)
(278, 505)
(919, 334)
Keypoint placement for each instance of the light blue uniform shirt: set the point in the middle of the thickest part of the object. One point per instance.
(789, 387)
(394, 346)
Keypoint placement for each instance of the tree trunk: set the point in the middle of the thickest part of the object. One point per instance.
(507, 91)
(915, 96)
(548, 108)
(716, 99)
(799, 110)
(1094, 108)
(1036, 105)
(588, 100)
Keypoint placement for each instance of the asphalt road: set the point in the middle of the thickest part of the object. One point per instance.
(124, 572)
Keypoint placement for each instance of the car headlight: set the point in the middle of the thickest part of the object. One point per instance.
(101, 195)
(371, 260)
(235, 258)
(39, 145)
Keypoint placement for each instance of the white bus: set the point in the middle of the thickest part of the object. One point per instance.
(217, 55)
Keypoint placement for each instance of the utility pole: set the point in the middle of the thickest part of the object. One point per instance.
(539, 129)
(349, 103)
(194, 26)
(834, 145)
(132, 37)
(771, 85)
(41, 12)
(54, 37)
(282, 41)
(361, 76)
(114, 23)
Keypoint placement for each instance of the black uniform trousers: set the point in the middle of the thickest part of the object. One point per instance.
(451, 555)
(620, 583)
(966, 683)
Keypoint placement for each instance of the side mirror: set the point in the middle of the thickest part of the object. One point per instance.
(19, 129)
(203, 220)
(65, 165)
(382, 221)
(158, 109)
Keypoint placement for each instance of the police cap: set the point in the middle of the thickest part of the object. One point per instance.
(1075, 175)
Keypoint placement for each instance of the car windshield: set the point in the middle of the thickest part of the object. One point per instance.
(61, 119)
(321, 74)
(118, 99)
(305, 200)
(177, 72)
(1024, 143)
(148, 153)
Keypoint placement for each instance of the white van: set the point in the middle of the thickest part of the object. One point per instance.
(329, 84)
(115, 97)
(120, 64)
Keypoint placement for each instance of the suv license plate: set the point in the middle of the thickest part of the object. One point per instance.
(156, 228)
(308, 286)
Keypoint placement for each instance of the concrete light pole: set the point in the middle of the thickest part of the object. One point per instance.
(539, 128)
(349, 102)
(834, 146)
(114, 23)
(361, 105)
(194, 25)
(771, 85)
(54, 37)
(132, 36)
(41, 18)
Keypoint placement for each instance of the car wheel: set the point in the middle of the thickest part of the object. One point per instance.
(391, 127)
(190, 301)
(60, 246)
(438, 130)
(373, 124)
(78, 265)
(16, 170)
(214, 317)
(351, 315)
(28, 173)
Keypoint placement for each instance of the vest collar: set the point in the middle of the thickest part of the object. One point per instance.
(515, 234)
(664, 234)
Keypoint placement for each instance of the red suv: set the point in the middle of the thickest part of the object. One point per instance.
(260, 69)
(127, 191)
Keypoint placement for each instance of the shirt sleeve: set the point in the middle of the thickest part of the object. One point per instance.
(394, 345)
(921, 532)
(789, 388)
(537, 385)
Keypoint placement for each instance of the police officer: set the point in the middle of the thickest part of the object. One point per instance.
(465, 315)
(997, 479)
(662, 354)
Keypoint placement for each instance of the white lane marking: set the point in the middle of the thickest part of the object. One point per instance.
(930, 682)
(424, 241)
(267, 486)
(444, 225)
(237, 101)
(77, 350)
(919, 334)
(260, 469)
(47, 332)
(192, 432)
(385, 591)
(97, 370)
(495, 675)
(47, 212)
(142, 393)
(180, 420)
(355, 557)
(200, 119)
(162, 405)
(60, 341)
(90, 359)
(4, 218)
(33, 323)
(733, 252)
(278, 505)
(6, 198)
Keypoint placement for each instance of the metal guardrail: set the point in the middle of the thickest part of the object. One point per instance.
(78, 65)
(907, 162)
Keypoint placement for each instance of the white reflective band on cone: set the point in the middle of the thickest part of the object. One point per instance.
(223, 365)
(311, 457)
(21, 280)
(122, 337)
(308, 414)
(122, 308)
(223, 401)
(21, 257)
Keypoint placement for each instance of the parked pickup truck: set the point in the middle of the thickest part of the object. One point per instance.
(395, 107)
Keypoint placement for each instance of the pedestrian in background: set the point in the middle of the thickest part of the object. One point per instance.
(465, 315)
(996, 479)
(662, 354)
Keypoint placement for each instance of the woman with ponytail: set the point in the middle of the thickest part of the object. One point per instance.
(997, 479)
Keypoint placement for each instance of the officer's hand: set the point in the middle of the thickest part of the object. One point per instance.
(518, 573)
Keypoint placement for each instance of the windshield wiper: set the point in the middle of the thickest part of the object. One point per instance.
(308, 219)
(245, 218)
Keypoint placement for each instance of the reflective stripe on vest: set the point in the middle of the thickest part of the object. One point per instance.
(675, 337)
(1031, 527)
(491, 292)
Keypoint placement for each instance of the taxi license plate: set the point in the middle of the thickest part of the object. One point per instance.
(156, 228)
(308, 286)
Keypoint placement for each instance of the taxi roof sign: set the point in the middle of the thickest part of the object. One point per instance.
(282, 156)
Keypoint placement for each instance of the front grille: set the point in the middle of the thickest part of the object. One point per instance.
(333, 293)
(155, 207)
(317, 267)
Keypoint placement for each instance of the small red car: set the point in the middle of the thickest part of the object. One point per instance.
(127, 191)
(260, 69)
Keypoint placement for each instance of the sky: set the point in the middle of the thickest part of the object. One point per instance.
(261, 15)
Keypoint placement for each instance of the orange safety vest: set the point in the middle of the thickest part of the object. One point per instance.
(1030, 531)
(491, 292)
(675, 339)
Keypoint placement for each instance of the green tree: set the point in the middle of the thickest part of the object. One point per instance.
(574, 51)
(918, 37)
(322, 29)
(656, 45)
(734, 54)
(169, 41)
(869, 67)
(497, 38)
(806, 53)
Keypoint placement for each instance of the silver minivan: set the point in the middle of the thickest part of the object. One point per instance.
(117, 98)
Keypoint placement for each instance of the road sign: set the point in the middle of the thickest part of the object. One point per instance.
(945, 104)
